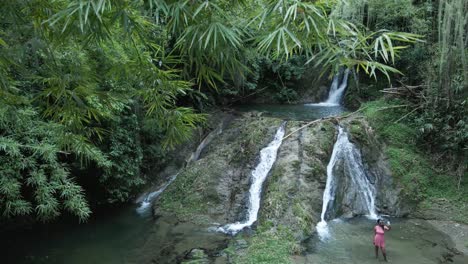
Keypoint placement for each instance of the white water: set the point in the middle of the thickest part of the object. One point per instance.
(336, 92)
(348, 152)
(259, 174)
(146, 203)
(337, 89)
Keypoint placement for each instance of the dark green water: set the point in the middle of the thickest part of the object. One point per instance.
(112, 237)
(294, 112)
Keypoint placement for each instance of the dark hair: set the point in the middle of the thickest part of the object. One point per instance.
(379, 220)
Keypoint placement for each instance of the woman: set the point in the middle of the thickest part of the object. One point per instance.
(379, 239)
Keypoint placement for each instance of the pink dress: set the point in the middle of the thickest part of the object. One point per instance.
(379, 239)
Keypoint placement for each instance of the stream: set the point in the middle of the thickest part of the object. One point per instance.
(409, 241)
(295, 112)
(116, 236)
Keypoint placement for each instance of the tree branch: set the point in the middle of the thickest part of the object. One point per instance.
(337, 118)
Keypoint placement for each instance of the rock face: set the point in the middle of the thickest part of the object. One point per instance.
(213, 190)
(186, 153)
(294, 189)
(389, 199)
(209, 192)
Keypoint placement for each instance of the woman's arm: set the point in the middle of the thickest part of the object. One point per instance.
(387, 227)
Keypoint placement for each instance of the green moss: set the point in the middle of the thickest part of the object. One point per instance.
(310, 150)
(411, 167)
(327, 135)
(411, 170)
(199, 257)
(276, 196)
(196, 261)
(252, 138)
(304, 217)
(184, 197)
(357, 132)
(296, 164)
(317, 171)
(269, 246)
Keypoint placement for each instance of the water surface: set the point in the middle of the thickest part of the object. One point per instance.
(295, 112)
(112, 237)
(409, 241)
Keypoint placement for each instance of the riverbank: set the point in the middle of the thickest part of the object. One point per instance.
(456, 231)
(409, 241)
(431, 190)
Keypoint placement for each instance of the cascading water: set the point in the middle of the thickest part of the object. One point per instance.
(336, 92)
(337, 89)
(358, 186)
(259, 174)
(146, 203)
(333, 87)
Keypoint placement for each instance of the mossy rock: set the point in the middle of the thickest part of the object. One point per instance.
(207, 188)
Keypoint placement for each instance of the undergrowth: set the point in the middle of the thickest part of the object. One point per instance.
(424, 182)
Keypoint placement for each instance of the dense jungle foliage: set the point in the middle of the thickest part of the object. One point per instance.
(94, 93)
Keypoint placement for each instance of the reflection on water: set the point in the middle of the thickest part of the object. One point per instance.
(111, 238)
(295, 112)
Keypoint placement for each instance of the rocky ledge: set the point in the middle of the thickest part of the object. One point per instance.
(213, 190)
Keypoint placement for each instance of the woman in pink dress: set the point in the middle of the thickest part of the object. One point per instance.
(379, 239)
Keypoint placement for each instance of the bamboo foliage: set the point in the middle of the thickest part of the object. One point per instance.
(329, 41)
(70, 68)
(67, 69)
(30, 157)
(213, 45)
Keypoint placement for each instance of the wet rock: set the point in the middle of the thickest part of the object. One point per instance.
(241, 244)
(185, 153)
(457, 232)
(294, 189)
(213, 189)
(389, 198)
(196, 256)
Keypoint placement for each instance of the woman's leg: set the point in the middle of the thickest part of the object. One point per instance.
(376, 252)
(384, 253)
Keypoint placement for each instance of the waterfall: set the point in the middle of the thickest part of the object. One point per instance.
(337, 89)
(332, 92)
(258, 176)
(360, 190)
(336, 92)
